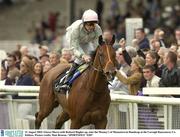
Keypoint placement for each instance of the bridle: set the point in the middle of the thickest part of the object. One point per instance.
(101, 67)
(101, 70)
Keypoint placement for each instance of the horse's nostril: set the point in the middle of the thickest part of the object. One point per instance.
(107, 73)
(110, 75)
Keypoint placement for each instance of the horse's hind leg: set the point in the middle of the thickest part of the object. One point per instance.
(38, 120)
(75, 124)
(101, 124)
(63, 117)
(43, 114)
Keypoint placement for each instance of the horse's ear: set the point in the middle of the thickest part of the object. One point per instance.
(113, 40)
(101, 42)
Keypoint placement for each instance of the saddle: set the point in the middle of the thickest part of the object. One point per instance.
(62, 77)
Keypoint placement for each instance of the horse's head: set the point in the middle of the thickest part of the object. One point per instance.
(105, 60)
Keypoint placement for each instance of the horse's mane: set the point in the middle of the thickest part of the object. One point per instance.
(93, 54)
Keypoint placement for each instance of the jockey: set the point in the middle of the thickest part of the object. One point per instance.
(82, 35)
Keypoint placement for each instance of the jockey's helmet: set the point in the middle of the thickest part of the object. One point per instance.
(90, 16)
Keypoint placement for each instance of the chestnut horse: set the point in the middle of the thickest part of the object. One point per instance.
(89, 97)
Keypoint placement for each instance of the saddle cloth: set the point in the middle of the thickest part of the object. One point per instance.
(61, 78)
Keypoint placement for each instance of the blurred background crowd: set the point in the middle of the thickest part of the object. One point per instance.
(157, 42)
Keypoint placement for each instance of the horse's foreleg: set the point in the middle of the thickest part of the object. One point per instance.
(101, 124)
(63, 117)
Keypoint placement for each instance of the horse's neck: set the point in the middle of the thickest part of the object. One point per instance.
(97, 80)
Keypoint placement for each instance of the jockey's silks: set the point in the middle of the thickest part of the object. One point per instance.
(78, 72)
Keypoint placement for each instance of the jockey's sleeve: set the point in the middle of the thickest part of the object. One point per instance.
(74, 42)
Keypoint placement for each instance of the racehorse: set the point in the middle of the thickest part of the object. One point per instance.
(89, 97)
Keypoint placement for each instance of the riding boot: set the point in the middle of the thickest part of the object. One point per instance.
(65, 86)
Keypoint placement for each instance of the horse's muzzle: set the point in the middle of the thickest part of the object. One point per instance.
(110, 75)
